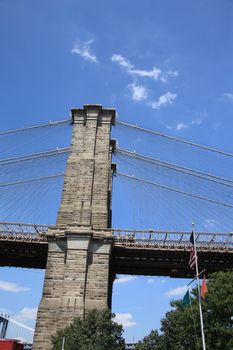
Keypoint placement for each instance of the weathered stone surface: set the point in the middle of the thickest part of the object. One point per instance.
(77, 275)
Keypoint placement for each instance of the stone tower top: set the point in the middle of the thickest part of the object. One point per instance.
(104, 115)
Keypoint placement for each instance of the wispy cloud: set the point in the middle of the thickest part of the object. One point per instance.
(122, 61)
(151, 280)
(166, 99)
(156, 280)
(181, 125)
(228, 96)
(154, 73)
(125, 279)
(84, 50)
(25, 315)
(138, 92)
(12, 287)
(169, 74)
(176, 291)
(126, 320)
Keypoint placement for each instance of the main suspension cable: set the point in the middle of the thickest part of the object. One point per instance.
(31, 180)
(131, 177)
(157, 133)
(175, 167)
(32, 156)
(8, 132)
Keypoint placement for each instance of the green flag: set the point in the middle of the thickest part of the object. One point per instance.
(186, 299)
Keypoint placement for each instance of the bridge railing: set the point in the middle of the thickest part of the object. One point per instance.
(172, 239)
(23, 232)
(126, 237)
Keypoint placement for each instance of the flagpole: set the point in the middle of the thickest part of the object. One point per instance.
(195, 277)
(199, 293)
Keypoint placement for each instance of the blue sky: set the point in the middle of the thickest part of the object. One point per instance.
(166, 65)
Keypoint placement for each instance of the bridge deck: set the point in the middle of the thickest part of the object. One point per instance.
(167, 262)
(23, 245)
(135, 252)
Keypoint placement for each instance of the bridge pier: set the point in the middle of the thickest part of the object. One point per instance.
(78, 277)
(77, 280)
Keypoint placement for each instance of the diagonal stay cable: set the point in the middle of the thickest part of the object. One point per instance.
(8, 132)
(178, 168)
(155, 184)
(157, 133)
(32, 156)
(31, 180)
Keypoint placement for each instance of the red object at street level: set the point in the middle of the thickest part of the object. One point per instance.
(10, 345)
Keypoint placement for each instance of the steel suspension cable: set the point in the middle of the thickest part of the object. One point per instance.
(157, 133)
(8, 132)
(155, 184)
(32, 156)
(175, 167)
(31, 180)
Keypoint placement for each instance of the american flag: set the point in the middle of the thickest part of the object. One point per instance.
(192, 259)
(192, 256)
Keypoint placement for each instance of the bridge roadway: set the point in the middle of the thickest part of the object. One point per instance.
(134, 252)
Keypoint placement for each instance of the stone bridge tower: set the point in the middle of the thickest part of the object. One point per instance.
(78, 277)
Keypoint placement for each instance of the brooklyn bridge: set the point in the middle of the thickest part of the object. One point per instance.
(82, 251)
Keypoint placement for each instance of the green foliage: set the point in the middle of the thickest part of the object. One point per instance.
(151, 342)
(97, 331)
(181, 326)
(218, 311)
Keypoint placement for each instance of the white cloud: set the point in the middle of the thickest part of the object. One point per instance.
(122, 61)
(126, 320)
(26, 314)
(83, 49)
(138, 92)
(12, 287)
(164, 100)
(181, 125)
(228, 96)
(154, 73)
(162, 280)
(125, 279)
(158, 280)
(170, 74)
(176, 291)
(150, 280)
